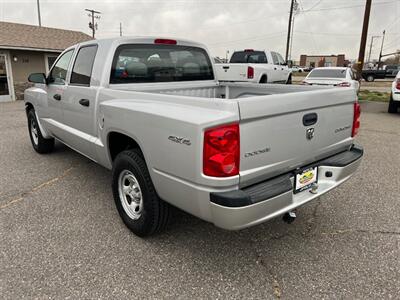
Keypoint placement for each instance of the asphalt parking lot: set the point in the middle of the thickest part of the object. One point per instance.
(61, 237)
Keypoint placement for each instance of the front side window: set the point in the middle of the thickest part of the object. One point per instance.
(82, 70)
(58, 74)
(141, 63)
(280, 59)
(275, 58)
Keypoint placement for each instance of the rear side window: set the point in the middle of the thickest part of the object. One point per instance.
(141, 63)
(82, 70)
(251, 57)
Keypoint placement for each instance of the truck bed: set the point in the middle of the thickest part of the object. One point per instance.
(271, 119)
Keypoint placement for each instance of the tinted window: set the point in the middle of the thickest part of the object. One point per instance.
(82, 70)
(160, 63)
(58, 74)
(327, 73)
(253, 57)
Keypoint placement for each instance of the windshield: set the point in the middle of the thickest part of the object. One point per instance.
(327, 73)
(244, 57)
(160, 63)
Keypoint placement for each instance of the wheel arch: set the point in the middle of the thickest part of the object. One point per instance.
(118, 141)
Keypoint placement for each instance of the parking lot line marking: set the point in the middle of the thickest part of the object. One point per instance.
(36, 188)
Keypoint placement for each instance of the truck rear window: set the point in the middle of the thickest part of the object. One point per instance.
(141, 63)
(327, 73)
(251, 57)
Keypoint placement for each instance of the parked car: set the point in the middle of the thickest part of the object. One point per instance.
(392, 70)
(332, 76)
(371, 75)
(394, 102)
(255, 66)
(297, 69)
(152, 111)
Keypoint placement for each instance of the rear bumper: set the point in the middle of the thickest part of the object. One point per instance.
(263, 201)
(396, 96)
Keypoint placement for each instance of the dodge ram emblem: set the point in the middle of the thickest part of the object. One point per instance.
(310, 133)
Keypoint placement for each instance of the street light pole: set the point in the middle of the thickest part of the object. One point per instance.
(38, 10)
(380, 53)
(370, 46)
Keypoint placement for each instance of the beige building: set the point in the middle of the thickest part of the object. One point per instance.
(314, 61)
(26, 49)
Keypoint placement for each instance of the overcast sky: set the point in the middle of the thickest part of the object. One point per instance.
(321, 27)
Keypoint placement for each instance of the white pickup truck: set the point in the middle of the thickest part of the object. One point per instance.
(255, 66)
(232, 154)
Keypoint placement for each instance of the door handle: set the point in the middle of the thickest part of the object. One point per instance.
(310, 119)
(84, 102)
(57, 97)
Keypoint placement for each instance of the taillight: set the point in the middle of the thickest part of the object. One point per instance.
(221, 151)
(356, 119)
(398, 84)
(165, 41)
(250, 72)
(344, 84)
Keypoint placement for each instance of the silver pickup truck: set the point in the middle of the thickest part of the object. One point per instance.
(234, 154)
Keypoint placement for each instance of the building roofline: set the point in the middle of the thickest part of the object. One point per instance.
(5, 47)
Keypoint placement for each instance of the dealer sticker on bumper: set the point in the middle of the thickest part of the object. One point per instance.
(305, 179)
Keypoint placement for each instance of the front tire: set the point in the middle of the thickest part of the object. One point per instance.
(289, 80)
(393, 106)
(137, 202)
(39, 143)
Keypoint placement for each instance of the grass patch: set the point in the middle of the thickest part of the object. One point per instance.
(366, 95)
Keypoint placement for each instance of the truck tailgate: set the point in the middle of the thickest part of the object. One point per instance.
(273, 130)
(231, 72)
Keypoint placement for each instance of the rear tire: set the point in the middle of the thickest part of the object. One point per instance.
(370, 78)
(393, 106)
(39, 143)
(137, 202)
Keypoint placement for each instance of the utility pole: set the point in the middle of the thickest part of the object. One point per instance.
(94, 15)
(120, 29)
(295, 11)
(289, 30)
(370, 46)
(38, 11)
(361, 54)
(380, 53)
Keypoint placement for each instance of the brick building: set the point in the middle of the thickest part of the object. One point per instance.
(314, 61)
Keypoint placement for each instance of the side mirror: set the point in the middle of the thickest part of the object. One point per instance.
(37, 78)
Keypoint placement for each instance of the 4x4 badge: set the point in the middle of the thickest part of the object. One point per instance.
(310, 133)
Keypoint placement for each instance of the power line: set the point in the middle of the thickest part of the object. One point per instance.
(345, 7)
(318, 2)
